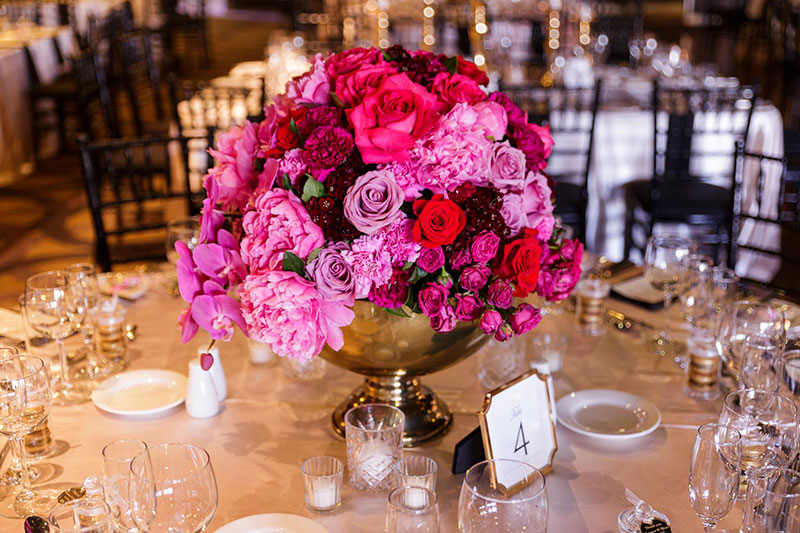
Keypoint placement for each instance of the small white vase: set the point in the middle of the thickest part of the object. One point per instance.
(201, 395)
(217, 373)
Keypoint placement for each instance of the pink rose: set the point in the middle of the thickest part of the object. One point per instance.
(475, 277)
(278, 223)
(484, 246)
(468, 307)
(524, 319)
(344, 63)
(492, 118)
(432, 298)
(537, 205)
(445, 320)
(232, 180)
(431, 259)
(373, 202)
(503, 332)
(555, 284)
(516, 116)
(312, 87)
(352, 88)
(513, 212)
(507, 167)
(391, 118)
(490, 321)
(455, 89)
(571, 251)
(286, 312)
(500, 294)
(460, 259)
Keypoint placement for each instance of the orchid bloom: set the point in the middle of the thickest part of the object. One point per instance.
(189, 281)
(221, 262)
(211, 220)
(218, 314)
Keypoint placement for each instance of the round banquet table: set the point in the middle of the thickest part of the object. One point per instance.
(269, 424)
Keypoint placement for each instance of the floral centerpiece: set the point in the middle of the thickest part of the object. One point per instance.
(389, 176)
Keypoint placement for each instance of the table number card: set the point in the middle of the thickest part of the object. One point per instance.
(517, 422)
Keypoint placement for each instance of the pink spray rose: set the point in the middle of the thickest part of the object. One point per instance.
(456, 88)
(286, 311)
(503, 332)
(431, 259)
(500, 294)
(351, 60)
(312, 87)
(490, 321)
(373, 202)
(524, 319)
(391, 118)
(475, 277)
(460, 259)
(484, 246)
(556, 284)
(445, 320)
(507, 167)
(468, 307)
(432, 298)
(278, 223)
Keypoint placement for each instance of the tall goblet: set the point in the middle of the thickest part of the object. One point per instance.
(186, 230)
(117, 459)
(741, 320)
(172, 488)
(53, 309)
(714, 472)
(482, 507)
(665, 269)
(697, 297)
(25, 401)
(82, 278)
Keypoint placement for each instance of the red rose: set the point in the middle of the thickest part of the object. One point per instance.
(455, 88)
(439, 221)
(520, 262)
(286, 139)
(471, 70)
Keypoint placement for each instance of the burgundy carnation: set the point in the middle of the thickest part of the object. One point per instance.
(327, 147)
(394, 292)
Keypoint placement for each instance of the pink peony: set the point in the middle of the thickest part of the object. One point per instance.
(293, 164)
(524, 319)
(352, 88)
(537, 204)
(507, 167)
(232, 180)
(286, 312)
(456, 88)
(372, 265)
(351, 60)
(391, 118)
(312, 87)
(278, 223)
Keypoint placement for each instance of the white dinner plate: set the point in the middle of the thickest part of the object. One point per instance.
(273, 523)
(128, 285)
(140, 392)
(608, 414)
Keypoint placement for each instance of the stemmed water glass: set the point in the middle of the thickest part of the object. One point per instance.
(697, 297)
(482, 506)
(186, 230)
(117, 459)
(53, 309)
(25, 402)
(762, 362)
(772, 504)
(746, 322)
(665, 269)
(82, 278)
(172, 488)
(714, 472)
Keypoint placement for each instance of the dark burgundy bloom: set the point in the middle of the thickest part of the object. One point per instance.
(394, 292)
(327, 147)
(315, 117)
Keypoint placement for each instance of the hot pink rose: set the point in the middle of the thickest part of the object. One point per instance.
(490, 321)
(536, 142)
(391, 118)
(468, 307)
(344, 63)
(445, 320)
(524, 319)
(456, 88)
(555, 284)
(431, 259)
(503, 332)
(475, 277)
(311, 88)
(352, 88)
(286, 311)
(432, 298)
(484, 246)
(500, 294)
(537, 205)
(232, 180)
(278, 223)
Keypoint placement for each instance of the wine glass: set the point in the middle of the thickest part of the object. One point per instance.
(186, 230)
(25, 402)
(741, 320)
(762, 362)
(714, 472)
(697, 297)
(772, 504)
(483, 507)
(412, 509)
(117, 459)
(768, 425)
(665, 269)
(172, 488)
(52, 308)
(82, 278)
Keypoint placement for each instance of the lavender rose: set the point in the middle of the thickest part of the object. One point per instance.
(500, 294)
(525, 319)
(445, 320)
(468, 307)
(484, 247)
(432, 298)
(333, 275)
(431, 259)
(475, 277)
(490, 321)
(507, 167)
(373, 201)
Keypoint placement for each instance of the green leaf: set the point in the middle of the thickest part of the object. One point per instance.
(336, 99)
(397, 312)
(260, 165)
(314, 253)
(417, 275)
(386, 56)
(287, 182)
(312, 189)
(407, 265)
(292, 263)
(451, 64)
(294, 129)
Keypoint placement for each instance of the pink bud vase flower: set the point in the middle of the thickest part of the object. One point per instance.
(431, 259)
(278, 223)
(218, 314)
(190, 284)
(189, 327)
(524, 319)
(311, 88)
(432, 298)
(490, 321)
(374, 201)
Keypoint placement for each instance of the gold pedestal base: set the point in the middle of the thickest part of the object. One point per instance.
(427, 416)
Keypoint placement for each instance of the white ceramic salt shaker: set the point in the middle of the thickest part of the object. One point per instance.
(201, 395)
(217, 373)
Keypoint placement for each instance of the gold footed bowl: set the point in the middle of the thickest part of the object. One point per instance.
(391, 352)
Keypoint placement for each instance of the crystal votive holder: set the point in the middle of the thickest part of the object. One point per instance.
(549, 347)
(591, 296)
(322, 482)
(374, 434)
(416, 471)
(412, 509)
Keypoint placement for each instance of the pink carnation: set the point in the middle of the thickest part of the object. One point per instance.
(286, 312)
(372, 265)
(405, 174)
(292, 164)
(399, 243)
(278, 223)
(232, 180)
(312, 87)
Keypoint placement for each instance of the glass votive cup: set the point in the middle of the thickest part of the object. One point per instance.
(416, 471)
(412, 509)
(322, 482)
(703, 371)
(374, 434)
(591, 295)
(549, 347)
(112, 338)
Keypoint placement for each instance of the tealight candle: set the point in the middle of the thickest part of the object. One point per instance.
(322, 482)
(374, 434)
